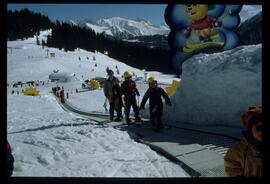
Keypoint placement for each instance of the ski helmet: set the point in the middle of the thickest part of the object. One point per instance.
(247, 116)
(152, 80)
(127, 74)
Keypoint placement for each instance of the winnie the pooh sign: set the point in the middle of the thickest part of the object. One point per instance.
(197, 28)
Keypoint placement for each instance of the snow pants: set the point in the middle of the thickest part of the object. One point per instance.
(156, 114)
(116, 105)
(131, 102)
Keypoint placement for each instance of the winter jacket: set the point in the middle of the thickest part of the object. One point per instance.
(243, 159)
(129, 89)
(154, 95)
(108, 88)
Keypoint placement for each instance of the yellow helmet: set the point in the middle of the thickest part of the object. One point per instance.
(152, 79)
(127, 74)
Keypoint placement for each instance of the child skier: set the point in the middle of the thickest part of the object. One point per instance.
(154, 94)
(129, 91)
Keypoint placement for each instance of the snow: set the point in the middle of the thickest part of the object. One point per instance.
(117, 25)
(216, 89)
(48, 141)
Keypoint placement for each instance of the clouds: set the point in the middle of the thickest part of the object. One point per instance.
(249, 11)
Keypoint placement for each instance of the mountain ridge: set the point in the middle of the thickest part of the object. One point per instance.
(122, 28)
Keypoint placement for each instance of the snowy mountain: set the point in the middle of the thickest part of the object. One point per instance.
(124, 28)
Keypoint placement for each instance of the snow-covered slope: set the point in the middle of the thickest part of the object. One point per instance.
(125, 28)
(218, 88)
(48, 141)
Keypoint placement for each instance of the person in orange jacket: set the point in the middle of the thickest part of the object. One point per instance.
(245, 157)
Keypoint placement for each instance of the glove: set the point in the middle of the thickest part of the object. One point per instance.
(169, 103)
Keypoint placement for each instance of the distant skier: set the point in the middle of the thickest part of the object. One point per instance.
(112, 92)
(107, 69)
(62, 95)
(154, 94)
(129, 91)
(79, 58)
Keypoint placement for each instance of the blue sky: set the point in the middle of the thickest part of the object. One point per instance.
(64, 12)
(151, 12)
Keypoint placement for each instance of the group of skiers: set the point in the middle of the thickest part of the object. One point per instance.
(60, 92)
(125, 95)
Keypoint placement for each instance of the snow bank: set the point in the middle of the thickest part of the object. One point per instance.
(218, 88)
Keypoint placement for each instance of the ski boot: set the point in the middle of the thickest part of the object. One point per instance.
(137, 119)
(117, 119)
(153, 125)
(159, 124)
(128, 121)
(111, 118)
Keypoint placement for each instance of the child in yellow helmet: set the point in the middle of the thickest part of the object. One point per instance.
(154, 94)
(130, 91)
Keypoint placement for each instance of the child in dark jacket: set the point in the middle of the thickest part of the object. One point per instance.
(154, 94)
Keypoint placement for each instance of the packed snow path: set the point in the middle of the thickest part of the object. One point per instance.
(179, 144)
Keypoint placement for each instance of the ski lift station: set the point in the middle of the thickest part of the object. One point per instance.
(61, 77)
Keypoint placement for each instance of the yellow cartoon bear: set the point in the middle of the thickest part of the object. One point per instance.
(203, 24)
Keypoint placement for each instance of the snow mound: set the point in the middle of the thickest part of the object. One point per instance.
(218, 88)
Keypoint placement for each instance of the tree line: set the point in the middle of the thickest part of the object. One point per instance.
(69, 37)
(24, 24)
